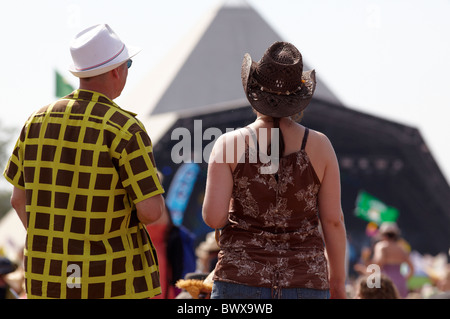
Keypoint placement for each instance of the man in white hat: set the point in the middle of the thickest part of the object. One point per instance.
(86, 184)
(95, 52)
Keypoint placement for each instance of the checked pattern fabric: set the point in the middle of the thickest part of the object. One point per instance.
(84, 164)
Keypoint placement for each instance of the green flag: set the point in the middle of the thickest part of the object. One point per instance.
(373, 210)
(62, 86)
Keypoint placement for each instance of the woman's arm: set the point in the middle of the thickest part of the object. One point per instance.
(332, 220)
(411, 269)
(219, 186)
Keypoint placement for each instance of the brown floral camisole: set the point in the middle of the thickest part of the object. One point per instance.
(272, 238)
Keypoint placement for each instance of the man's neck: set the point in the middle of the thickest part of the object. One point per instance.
(97, 87)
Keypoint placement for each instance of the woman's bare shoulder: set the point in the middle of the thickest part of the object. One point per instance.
(319, 142)
(229, 147)
(229, 138)
(321, 152)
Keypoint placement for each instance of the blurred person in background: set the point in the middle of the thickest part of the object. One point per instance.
(175, 247)
(443, 286)
(390, 254)
(206, 253)
(6, 267)
(386, 289)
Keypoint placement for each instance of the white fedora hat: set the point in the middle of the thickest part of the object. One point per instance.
(98, 50)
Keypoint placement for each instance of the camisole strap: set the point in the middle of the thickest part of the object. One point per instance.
(305, 138)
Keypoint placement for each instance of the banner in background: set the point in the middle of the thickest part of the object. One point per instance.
(374, 210)
(63, 87)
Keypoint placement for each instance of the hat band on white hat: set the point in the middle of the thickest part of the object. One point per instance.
(104, 62)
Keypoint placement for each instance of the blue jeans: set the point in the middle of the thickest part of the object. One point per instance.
(226, 290)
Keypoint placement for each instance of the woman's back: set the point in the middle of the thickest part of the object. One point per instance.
(273, 237)
(389, 252)
(317, 146)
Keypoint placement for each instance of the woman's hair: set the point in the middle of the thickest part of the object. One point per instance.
(276, 124)
(392, 236)
(386, 289)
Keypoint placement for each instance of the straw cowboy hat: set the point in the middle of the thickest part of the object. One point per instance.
(98, 50)
(277, 86)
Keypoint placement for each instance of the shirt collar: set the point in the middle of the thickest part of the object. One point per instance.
(93, 96)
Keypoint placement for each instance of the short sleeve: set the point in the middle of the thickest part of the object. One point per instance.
(14, 168)
(137, 168)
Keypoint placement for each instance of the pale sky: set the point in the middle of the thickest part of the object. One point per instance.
(388, 58)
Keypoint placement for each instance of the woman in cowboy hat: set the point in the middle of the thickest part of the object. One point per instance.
(270, 187)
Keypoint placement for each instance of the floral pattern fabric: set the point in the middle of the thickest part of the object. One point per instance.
(273, 238)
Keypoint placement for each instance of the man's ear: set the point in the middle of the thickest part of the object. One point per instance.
(115, 73)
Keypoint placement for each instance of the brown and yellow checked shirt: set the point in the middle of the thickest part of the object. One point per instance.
(84, 163)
